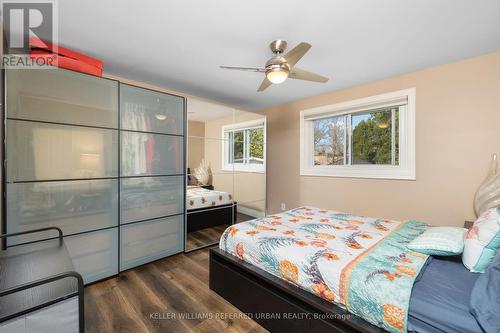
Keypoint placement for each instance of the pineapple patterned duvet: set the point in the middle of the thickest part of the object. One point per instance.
(360, 263)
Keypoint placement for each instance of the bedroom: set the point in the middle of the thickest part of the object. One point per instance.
(359, 192)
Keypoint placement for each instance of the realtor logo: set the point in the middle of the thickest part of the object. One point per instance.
(28, 23)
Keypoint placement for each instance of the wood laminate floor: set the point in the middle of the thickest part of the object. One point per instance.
(170, 295)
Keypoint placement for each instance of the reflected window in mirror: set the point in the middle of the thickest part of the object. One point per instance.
(243, 146)
(226, 170)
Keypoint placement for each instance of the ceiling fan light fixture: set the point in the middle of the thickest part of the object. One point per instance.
(277, 75)
(282, 65)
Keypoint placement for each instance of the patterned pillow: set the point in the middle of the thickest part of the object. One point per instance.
(482, 241)
(484, 300)
(439, 241)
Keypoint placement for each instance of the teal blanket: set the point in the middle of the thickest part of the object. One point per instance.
(378, 285)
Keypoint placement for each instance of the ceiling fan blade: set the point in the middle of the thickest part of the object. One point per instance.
(248, 69)
(264, 85)
(300, 74)
(295, 54)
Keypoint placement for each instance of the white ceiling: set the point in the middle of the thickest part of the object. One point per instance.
(179, 44)
(203, 111)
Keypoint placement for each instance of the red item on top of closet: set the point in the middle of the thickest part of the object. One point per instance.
(59, 56)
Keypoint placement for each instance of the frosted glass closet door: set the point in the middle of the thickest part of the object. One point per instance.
(145, 198)
(146, 154)
(62, 96)
(151, 240)
(94, 254)
(39, 151)
(74, 206)
(62, 163)
(152, 175)
(150, 111)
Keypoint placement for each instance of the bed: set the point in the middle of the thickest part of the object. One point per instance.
(318, 270)
(208, 208)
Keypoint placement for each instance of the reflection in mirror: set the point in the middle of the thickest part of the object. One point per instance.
(250, 169)
(217, 146)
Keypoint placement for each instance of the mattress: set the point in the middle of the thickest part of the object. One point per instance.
(199, 197)
(440, 298)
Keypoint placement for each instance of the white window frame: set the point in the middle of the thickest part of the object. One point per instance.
(226, 166)
(405, 170)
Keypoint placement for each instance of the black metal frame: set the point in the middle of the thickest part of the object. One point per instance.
(256, 292)
(118, 177)
(56, 277)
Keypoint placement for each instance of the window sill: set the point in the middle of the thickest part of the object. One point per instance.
(362, 172)
(243, 170)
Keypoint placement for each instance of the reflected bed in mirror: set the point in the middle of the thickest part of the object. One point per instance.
(226, 171)
(210, 236)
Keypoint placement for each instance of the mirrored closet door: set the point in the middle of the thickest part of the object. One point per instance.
(226, 172)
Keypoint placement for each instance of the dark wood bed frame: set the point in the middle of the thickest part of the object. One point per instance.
(275, 304)
(206, 217)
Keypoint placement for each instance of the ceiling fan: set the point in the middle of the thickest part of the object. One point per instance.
(282, 66)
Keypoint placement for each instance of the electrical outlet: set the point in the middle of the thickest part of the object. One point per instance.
(283, 206)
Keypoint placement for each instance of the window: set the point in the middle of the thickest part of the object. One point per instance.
(372, 137)
(243, 146)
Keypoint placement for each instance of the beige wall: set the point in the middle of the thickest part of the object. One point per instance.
(195, 144)
(248, 188)
(458, 128)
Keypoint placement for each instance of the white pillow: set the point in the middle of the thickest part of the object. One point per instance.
(482, 241)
